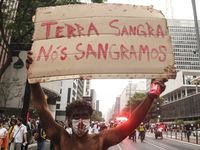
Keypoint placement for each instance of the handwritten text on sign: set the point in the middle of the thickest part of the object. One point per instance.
(126, 53)
(92, 46)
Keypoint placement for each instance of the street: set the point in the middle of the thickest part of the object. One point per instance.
(150, 143)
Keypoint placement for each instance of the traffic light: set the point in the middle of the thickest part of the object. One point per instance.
(159, 116)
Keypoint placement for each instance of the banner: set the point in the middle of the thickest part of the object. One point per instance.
(93, 41)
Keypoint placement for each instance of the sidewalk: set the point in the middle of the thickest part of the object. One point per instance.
(33, 144)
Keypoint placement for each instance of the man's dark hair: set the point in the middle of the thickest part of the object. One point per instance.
(20, 119)
(14, 121)
(1, 121)
(79, 105)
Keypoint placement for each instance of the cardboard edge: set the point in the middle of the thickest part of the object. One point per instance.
(103, 76)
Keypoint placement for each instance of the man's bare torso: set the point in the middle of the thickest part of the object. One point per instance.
(72, 142)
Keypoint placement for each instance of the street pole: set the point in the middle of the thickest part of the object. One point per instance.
(26, 103)
(196, 26)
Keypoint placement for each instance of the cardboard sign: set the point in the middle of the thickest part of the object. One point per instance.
(90, 41)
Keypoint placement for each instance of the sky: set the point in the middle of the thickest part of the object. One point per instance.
(108, 89)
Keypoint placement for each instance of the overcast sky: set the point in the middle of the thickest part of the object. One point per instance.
(108, 90)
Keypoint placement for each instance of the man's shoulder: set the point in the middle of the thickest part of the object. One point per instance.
(22, 126)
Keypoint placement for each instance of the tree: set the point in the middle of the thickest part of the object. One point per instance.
(197, 123)
(97, 116)
(7, 87)
(98, 1)
(135, 102)
(16, 22)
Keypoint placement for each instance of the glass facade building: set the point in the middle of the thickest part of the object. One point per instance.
(184, 42)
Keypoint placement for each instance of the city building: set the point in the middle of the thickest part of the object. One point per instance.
(122, 100)
(89, 94)
(70, 90)
(97, 105)
(117, 105)
(181, 98)
(184, 42)
(129, 92)
(52, 93)
(93, 99)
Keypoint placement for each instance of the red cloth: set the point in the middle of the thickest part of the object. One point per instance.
(4, 142)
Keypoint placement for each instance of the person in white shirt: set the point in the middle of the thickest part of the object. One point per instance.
(68, 128)
(19, 133)
(96, 128)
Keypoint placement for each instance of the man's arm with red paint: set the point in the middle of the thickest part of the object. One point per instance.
(49, 125)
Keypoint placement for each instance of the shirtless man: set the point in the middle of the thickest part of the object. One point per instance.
(80, 118)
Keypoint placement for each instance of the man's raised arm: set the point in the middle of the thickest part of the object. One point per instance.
(40, 103)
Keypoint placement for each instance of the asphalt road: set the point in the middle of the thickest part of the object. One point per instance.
(150, 143)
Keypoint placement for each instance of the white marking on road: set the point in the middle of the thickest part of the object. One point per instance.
(119, 147)
(173, 139)
(155, 145)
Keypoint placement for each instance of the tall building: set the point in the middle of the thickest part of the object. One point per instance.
(93, 98)
(89, 94)
(70, 91)
(129, 91)
(184, 42)
(117, 105)
(86, 88)
(180, 97)
(97, 105)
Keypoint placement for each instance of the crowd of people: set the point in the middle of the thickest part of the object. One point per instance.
(14, 135)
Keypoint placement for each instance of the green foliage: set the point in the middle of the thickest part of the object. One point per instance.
(97, 116)
(35, 114)
(97, 1)
(136, 101)
(16, 23)
(179, 122)
(7, 88)
(196, 123)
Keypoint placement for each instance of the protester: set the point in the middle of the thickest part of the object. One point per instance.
(142, 130)
(19, 134)
(96, 128)
(68, 128)
(103, 126)
(188, 132)
(79, 114)
(42, 138)
(134, 135)
(10, 131)
(3, 136)
(29, 123)
(29, 137)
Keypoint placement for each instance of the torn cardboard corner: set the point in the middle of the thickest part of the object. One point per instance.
(94, 41)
